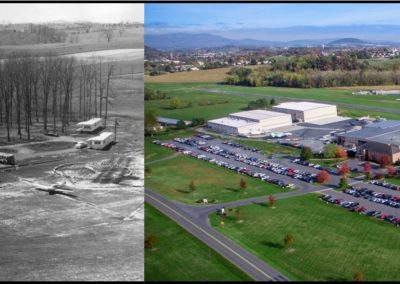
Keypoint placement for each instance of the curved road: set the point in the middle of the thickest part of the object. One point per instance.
(195, 220)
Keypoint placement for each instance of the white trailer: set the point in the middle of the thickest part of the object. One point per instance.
(101, 141)
(91, 125)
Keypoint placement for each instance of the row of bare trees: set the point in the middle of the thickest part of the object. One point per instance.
(51, 90)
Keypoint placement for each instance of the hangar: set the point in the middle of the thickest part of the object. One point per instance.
(250, 122)
(307, 111)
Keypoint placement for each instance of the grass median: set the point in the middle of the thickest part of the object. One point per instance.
(179, 256)
(172, 177)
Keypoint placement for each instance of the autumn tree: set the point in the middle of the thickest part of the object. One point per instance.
(323, 176)
(344, 169)
(385, 161)
(359, 276)
(242, 184)
(150, 241)
(340, 152)
(367, 169)
(238, 213)
(288, 240)
(271, 201)
(192, 186)
(391, 171)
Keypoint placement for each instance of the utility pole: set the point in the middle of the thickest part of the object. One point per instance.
(115, 131)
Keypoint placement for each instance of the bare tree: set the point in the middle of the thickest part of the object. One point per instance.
(109, 34)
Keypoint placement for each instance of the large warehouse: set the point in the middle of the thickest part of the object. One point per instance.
(375, 140)
(307, 111)
(250, 122)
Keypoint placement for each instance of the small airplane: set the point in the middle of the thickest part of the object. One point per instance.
(55, 188)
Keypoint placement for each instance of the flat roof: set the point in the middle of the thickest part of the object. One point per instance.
(102, 136)
(258, 114)
(302, 105)
(384, 124)
(382, 135)
(167, 120)
(90, 121)
(232, 122)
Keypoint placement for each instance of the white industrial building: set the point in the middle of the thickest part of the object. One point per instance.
(307, 111)
(250, 122)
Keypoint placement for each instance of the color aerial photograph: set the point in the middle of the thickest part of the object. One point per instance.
(271, 142)
(71, 142)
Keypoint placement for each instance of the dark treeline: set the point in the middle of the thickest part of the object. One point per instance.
(51, 90)
(311, 78)
(150, 94)
(319, 62)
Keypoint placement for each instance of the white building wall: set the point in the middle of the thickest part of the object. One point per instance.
(320, 113)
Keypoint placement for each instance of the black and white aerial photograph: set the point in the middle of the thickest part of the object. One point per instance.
(71, 142)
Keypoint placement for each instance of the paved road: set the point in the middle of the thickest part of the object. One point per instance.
(247, 262)
(352, 106)
(195, 218)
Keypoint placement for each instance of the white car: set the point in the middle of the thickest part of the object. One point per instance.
(81, 145)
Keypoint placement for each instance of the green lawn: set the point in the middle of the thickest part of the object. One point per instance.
(331, 243)
(196, 93)
(171, 178)
(179, 256)
(393, 180)
(269, 148)
(153, 152)
(330, 163)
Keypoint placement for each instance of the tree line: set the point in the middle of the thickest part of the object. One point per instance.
(310, 78)
(50, 90)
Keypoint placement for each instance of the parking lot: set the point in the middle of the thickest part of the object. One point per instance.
(377, 199)
(249, 161)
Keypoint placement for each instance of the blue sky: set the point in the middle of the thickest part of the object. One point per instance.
(217, 17)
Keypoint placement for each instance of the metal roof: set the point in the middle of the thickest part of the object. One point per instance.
(258, 114)
(384, 124)
(302, 105)
(232, 122)
(170, 121)
(90, 121)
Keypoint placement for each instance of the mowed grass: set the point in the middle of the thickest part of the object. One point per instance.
(318, 94)
(269, 148)
(393, 180)
(356, 113)
(237, 99)
(153, 152)
(179, 256)
(172, 177)
(330, 243)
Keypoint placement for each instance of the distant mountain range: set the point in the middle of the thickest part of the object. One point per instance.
(300, 36)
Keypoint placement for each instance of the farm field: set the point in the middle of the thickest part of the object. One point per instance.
(132, 38)
(216, 75)
(172, 177)
(179, 256)
(325, 236)
(223, 100)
